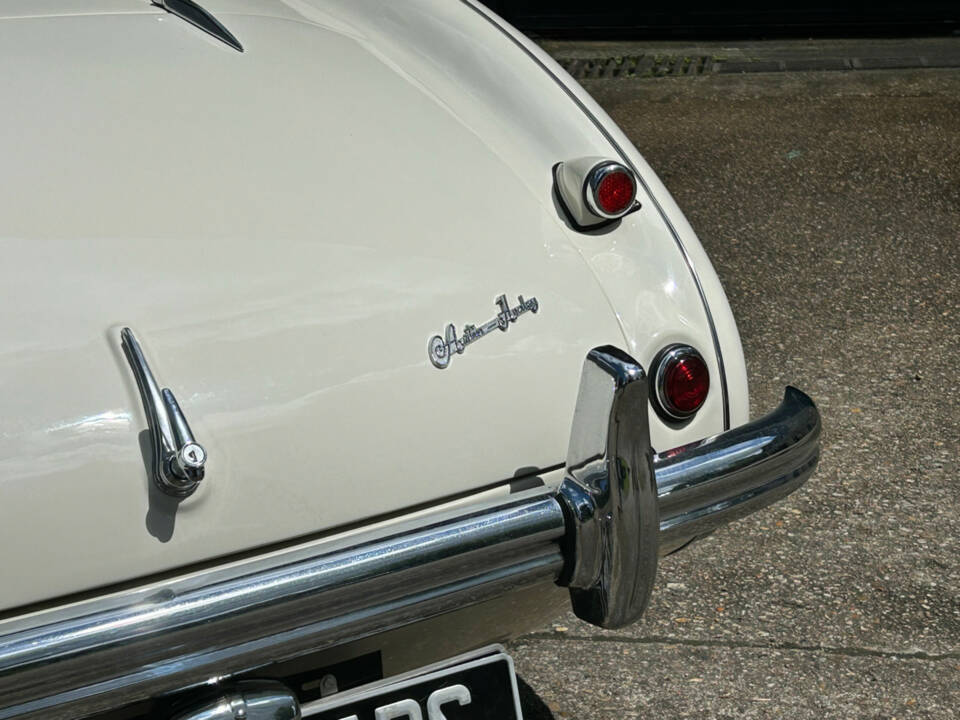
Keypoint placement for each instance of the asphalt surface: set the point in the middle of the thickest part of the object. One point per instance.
(830, 205)
(692, 58)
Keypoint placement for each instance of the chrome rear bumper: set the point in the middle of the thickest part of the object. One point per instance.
(600, 534)
(712, 482)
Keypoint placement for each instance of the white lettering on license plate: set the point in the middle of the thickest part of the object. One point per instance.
(410, 709)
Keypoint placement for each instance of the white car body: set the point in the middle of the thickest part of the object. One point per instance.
(158, 179)
(285, 228)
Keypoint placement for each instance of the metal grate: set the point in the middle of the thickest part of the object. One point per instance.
(636, 66)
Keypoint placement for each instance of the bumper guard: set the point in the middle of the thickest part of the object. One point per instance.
(618, 509)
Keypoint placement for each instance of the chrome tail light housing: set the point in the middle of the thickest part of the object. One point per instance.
(595, 191)
(680, 382)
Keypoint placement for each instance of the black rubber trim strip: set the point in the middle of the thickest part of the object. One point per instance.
(623, 156)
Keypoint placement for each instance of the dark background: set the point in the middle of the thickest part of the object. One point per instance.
(698, 18)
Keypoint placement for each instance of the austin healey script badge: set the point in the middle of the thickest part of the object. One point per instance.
(441, 349)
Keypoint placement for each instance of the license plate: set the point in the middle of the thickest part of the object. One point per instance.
(479, 688)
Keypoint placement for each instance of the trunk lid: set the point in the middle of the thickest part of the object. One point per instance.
(284, 244)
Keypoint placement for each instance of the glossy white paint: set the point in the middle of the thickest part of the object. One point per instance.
(726, 327)
(284, 229)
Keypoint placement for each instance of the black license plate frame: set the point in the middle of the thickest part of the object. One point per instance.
(433, 693)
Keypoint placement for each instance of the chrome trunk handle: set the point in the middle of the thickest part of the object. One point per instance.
(178, 459)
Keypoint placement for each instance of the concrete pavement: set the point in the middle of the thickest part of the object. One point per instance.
(609, 59)
(830, 205)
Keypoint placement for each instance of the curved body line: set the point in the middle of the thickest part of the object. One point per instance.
(626, 160)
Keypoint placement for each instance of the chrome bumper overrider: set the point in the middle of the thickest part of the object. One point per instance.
(619, 508)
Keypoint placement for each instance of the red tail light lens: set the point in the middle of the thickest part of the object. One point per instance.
(611, 190)
(682, 382)
(686, 384)
(615, 192)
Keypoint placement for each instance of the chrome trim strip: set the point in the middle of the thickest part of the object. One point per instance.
(623, 156)
(724, 392)
(712, 482)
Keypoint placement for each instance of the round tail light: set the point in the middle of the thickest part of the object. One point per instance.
(610, 190)
(681, 382)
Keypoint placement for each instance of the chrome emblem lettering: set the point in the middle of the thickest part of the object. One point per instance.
(441, 349)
